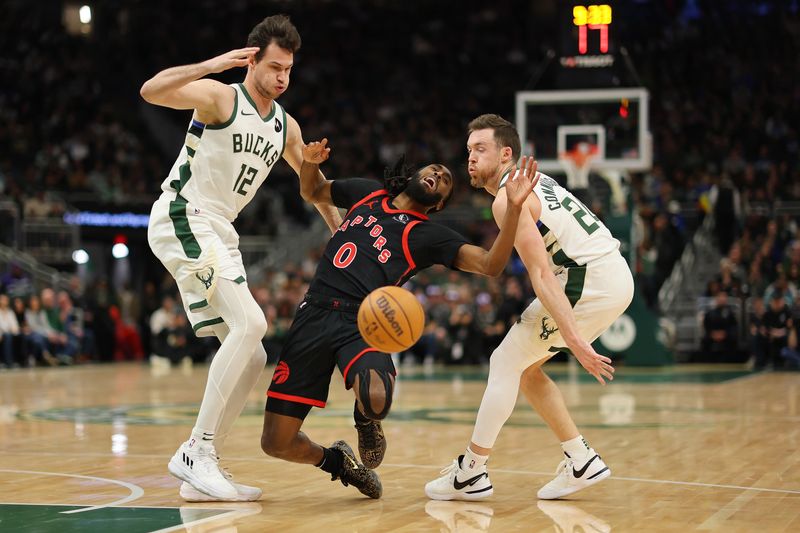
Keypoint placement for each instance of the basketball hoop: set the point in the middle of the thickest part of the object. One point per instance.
(577, 163)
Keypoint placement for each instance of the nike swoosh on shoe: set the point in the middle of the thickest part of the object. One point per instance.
(582, 471)
(471, 481)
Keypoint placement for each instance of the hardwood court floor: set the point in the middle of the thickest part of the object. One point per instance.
(691, 448)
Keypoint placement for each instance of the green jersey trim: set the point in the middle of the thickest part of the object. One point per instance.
(210, 322)
(250, 99)
(177, 212)
(231, 118)
(198, 305)
(576, 277)
(285, 128)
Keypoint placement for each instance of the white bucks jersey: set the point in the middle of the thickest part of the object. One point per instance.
(572, 234)
(221, 166)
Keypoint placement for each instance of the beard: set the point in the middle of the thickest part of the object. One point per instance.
(478, 179)
(418, 192)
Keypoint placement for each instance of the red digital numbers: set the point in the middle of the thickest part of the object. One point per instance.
(594, 17)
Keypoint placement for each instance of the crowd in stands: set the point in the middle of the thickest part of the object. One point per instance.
(724, 121)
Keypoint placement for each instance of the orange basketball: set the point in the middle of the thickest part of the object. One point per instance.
(391, 319)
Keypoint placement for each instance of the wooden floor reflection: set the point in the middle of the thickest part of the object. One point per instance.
(690, 448)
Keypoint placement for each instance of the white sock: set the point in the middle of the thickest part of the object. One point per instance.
(200, 436)
(472, 460)
(576, 448)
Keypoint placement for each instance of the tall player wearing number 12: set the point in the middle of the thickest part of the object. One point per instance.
(582, 286)
(236, 135)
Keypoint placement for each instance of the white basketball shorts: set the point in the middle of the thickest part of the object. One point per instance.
(599, 293)
(197, 247)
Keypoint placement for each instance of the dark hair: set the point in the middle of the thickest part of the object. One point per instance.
(505, 134)
(395, 179)
(278, 29)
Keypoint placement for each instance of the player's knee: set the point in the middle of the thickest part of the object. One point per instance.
(274, 446)
(506, 359)
(535, 374)
(255, 328)
(375, 392)
(376, 405)
(534, 377)
(259, 326)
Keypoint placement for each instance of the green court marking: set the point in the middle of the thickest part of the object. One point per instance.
(50, 518)
(622, 376)
(643, 416)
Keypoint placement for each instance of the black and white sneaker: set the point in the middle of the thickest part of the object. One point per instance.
(356, 474)
(572, 476)
(197, 464)
(459, 484)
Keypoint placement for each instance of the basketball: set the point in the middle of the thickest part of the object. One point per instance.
(391, 319)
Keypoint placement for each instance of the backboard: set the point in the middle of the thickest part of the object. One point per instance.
(552, 123)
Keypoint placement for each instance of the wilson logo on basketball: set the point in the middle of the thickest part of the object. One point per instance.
(389, 313)
(281, 373)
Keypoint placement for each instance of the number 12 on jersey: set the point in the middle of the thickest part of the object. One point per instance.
(581, 214)
(242, 181)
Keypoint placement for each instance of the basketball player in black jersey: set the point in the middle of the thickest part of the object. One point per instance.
(385, 239)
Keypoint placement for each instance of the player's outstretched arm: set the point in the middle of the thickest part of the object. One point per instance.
(182, 88)
(532, 251)
(507, 206)
(314, 188)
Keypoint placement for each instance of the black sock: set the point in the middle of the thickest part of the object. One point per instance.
(360, 417)
(332, 461)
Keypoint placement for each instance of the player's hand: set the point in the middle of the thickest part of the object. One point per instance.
(228, 60)
(316, 152)
(521, 182)
(597, 365)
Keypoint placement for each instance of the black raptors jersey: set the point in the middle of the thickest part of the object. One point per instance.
(378, 245)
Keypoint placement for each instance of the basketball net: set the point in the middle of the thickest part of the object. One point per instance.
(577, 163)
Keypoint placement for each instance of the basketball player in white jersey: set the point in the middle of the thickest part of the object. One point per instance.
(236, 135)
(582, 285)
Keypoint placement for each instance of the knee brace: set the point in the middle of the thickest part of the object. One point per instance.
(365, 379)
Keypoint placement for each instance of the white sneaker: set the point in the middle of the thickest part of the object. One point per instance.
(462, 517)
(568, 517)
(570, 479)
(197, 464)
(457, 484)
(245, 493)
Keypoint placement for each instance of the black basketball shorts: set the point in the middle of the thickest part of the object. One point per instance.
(324, 335)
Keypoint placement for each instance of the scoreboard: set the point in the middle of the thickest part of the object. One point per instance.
(587, 46)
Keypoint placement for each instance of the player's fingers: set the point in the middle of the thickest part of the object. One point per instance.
(528, 164)
(603, 358)
(248, 51)
(600, 379)
(535, 173)
(608, 375)
(324, 142)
